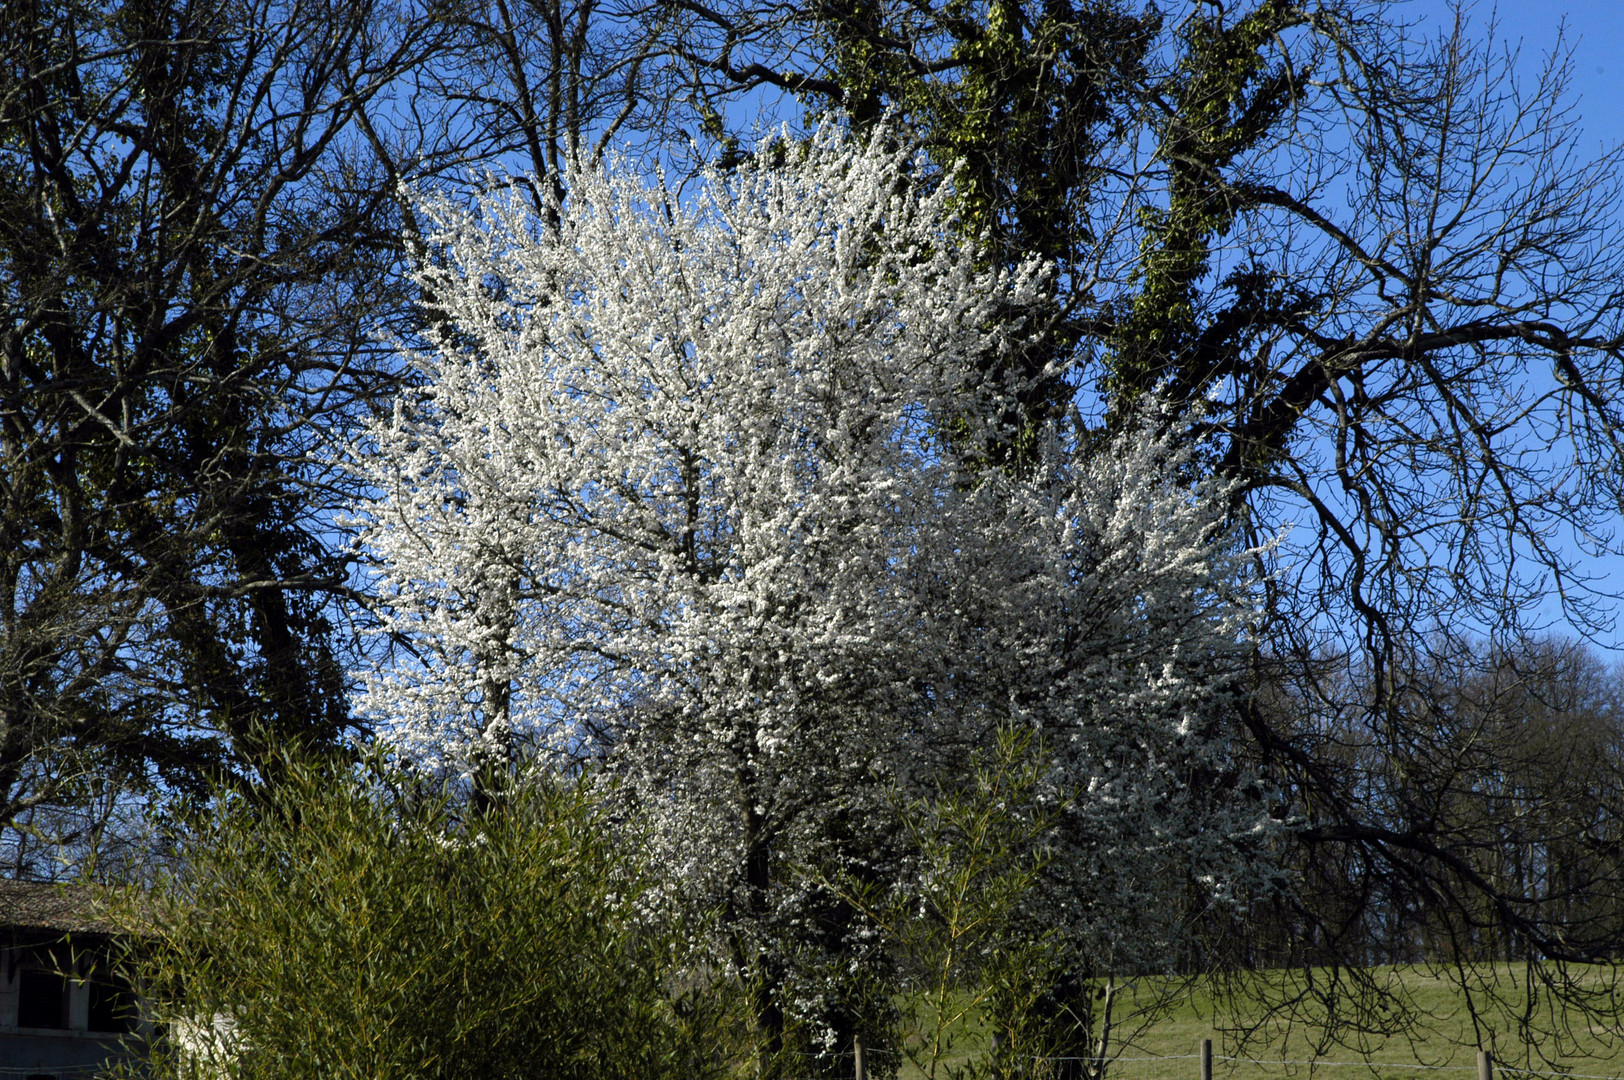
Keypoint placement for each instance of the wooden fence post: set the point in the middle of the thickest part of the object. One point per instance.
(1206, 1059)
(1485, 1066)
(859, 1062)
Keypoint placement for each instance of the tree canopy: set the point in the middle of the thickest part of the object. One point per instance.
(677, 494)
(1366, 274)
(201, 240)
(1374, 270)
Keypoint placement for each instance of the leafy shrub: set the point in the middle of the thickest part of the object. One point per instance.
(354, 923)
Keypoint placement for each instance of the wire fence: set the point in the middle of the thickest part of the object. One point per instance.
(1206, 1065)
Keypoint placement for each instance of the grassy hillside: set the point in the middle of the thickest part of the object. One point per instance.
(1429, 1035)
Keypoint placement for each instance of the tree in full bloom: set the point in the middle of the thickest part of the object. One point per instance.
(691, 486)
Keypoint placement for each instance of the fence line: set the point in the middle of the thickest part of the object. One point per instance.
(1485, 1067)
(1347, 1064)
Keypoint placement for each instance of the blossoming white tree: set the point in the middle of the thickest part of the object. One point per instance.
(690, 487)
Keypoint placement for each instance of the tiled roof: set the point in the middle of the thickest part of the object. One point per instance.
(36, 905)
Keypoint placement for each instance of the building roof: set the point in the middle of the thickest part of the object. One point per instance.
(39, 905)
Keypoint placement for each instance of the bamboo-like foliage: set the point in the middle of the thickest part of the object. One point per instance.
(357, 923)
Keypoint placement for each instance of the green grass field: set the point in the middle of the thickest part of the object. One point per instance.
(1437, 1043)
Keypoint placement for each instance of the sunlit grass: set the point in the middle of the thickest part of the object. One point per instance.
(1425, 1030)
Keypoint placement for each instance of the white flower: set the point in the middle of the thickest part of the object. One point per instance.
(676, 491)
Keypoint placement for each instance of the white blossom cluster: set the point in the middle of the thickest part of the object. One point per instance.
(685, 488)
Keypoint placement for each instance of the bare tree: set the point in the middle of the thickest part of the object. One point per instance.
(187, 244)
(200, 251)
(1488, 847)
